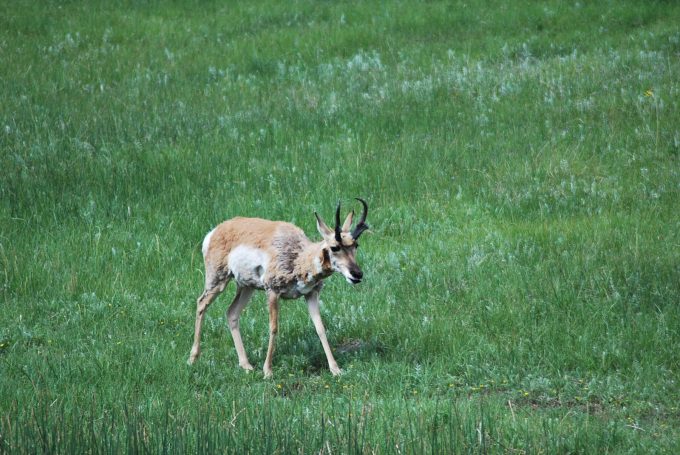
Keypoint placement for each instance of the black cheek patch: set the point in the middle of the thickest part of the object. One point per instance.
(326, 259)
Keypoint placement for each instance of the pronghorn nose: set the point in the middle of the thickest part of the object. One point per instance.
(358, 274)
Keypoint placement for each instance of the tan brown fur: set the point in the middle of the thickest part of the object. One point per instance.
(255, 232)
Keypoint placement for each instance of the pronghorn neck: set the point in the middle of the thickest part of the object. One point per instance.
(313, 264)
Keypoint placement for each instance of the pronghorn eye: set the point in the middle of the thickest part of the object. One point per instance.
(335, 249)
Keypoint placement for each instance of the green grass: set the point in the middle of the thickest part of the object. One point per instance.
(522, 277)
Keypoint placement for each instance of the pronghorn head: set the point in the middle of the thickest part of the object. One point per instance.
(340, 244)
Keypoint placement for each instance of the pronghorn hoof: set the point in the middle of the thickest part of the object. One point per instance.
(268, 374)
(247, 367)
(336, 371)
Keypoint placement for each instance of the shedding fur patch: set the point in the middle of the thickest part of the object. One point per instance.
(288, 247)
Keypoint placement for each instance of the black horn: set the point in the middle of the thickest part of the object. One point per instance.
(361, 225)
(337, 224)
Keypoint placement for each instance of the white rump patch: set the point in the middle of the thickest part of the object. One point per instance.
(206, 243)
(248, 265)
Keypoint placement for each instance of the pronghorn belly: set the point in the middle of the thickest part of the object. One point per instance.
(249, 266)
(299, 288)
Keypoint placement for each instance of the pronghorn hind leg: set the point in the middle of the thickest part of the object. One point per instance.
(233, 314)
(202, 304)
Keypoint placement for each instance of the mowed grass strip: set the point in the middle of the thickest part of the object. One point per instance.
(522, 271)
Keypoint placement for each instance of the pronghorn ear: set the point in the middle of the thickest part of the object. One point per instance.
(347, 225)
(323, 229)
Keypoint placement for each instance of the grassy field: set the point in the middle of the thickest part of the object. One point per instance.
(522, 275)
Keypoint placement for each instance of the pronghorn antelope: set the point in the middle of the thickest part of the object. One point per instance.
(276, 257)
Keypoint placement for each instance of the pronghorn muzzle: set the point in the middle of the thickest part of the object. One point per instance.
(356, 274)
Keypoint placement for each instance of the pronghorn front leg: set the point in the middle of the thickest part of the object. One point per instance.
(233, 315)
(313, 306)
(273, 301)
